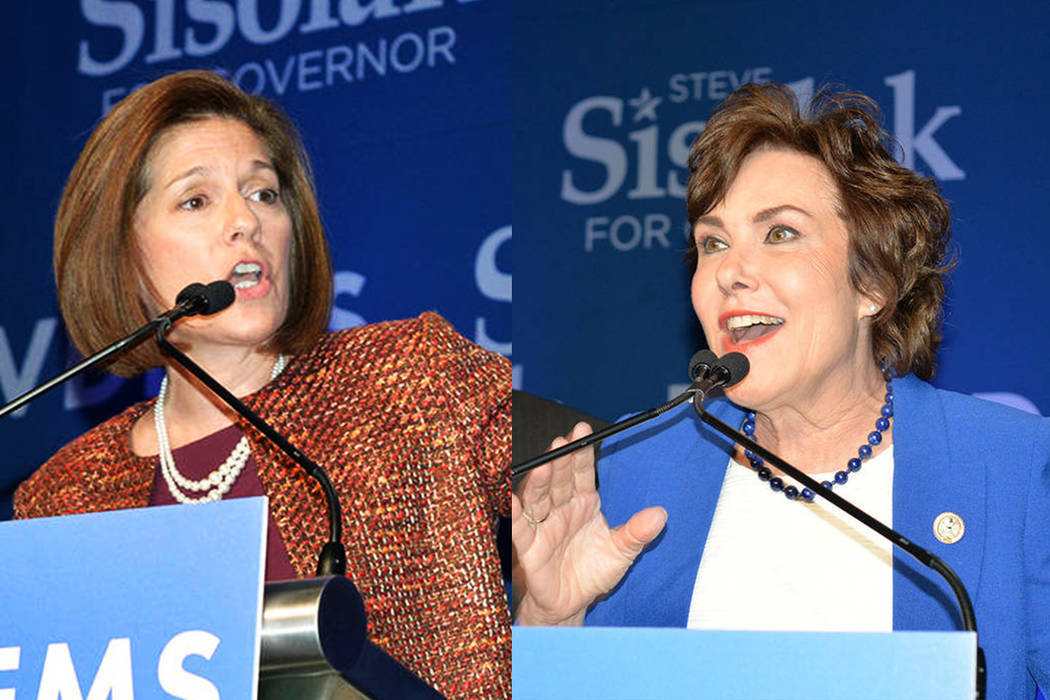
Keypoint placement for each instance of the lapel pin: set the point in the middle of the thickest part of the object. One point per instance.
(948, 527)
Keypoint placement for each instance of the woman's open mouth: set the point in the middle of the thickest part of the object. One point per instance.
(246, 275)
(745, 329)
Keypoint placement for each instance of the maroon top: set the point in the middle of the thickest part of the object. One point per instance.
(198, 459)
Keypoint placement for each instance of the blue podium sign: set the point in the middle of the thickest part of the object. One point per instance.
(153, 602)
(639, 663)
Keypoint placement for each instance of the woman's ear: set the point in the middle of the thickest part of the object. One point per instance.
(870, 304)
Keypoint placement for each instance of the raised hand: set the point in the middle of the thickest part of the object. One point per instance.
(567, 556)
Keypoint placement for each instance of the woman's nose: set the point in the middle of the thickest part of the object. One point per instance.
(240, 220)
(736, 272)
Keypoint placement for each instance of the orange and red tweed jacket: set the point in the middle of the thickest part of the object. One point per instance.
(413, 424)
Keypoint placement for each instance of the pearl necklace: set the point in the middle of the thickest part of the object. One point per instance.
(216, 484)
(852, 466)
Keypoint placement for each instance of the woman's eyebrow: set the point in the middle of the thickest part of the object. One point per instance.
(709, 220)
(773, 212)
(195, 170)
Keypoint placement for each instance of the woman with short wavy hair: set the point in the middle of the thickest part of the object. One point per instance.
(897, 223)
(821, 259)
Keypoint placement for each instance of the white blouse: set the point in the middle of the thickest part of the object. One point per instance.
(774, 564)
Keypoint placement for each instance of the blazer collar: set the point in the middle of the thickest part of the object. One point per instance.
(930, 464)
(661, 585)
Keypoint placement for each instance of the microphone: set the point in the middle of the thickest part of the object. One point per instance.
(201, 300)
(722, 372)
(212, 298)
(189, 292)
(194, 300)
(700, 364)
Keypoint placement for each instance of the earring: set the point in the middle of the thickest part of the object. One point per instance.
(874, 309)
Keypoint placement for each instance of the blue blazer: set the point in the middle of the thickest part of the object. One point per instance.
(987, 463)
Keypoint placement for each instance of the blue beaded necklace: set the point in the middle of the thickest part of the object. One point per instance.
(863, 452)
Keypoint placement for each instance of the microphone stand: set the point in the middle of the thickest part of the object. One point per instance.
(82, 366)
(704, 369)
(189, 307)
(541, 459)
(332, 560)
(924, 557)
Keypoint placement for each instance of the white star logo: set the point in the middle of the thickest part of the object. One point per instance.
(645, 105)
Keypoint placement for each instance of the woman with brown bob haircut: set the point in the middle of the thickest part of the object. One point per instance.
(98, 263)
(822, 260)
(190, 180)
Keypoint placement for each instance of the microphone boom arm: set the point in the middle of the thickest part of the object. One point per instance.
(186, 308)
(539, 460)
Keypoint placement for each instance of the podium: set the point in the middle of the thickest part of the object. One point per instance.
(640, 663)
(169, 602)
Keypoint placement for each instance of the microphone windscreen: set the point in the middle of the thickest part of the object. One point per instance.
(700, 363)
(190, 291)
(217, 296)
(737, 365)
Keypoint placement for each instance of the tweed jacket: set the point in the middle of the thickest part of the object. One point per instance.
(413, 424)
(987, 463)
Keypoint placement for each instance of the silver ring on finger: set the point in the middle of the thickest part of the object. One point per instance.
(533, 521)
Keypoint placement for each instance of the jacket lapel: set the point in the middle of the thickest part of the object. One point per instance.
(662, 587)
(934, 473)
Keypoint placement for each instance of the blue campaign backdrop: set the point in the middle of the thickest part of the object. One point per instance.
(608, 96)
(404, 106)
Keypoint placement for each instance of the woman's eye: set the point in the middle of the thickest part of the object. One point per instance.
(193, 203)
(711, 244)
(779, 234)
(266, 196)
